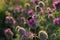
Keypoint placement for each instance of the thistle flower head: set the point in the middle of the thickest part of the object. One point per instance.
(10, 20)
(27, 36)
(36, 2)
(17, 9)
(27, 5)
(21, 30)
(30, 12)
(37, 8)
(41, 4)
(50, 16)
(56, 4)
(56, 21)
(49, 10)
(32, 22)
(43, 35)
(8, 32)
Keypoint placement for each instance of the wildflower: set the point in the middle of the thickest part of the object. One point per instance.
(41, 4)
(8, 32)
(50, 16)
(27, 36)
(22, 18)
(17, 9)
(30, 12)
(31, 22)
(37, 8)
(56, 4)
(21, 30)
(49, 10)
(56, 20)
(10, 20)
(43, 35)
(36, 2)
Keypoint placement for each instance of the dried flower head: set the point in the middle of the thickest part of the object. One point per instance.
(56, 21)
(41, 4)
(37, 8)
(43, 35)
(27, 5)
(21, 30)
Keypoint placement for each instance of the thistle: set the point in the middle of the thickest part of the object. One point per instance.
(43, 35)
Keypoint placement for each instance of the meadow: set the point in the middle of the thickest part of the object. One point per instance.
(29, 19)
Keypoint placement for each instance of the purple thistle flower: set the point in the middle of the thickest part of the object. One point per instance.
(17, 9)
(31, 21)
(56, 20)
(27, 36)
(56, 3)
(30, 12)
(36, 2)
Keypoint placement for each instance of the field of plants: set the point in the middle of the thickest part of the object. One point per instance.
(29, 19)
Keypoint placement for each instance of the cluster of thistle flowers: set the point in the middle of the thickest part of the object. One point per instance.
(30, 17)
